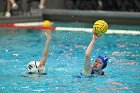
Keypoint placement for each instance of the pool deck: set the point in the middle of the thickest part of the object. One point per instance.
(126, 18)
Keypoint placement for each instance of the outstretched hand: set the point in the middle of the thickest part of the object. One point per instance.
(95, 36)
(48, 34)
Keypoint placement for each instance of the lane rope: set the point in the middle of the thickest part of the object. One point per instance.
(38, 25)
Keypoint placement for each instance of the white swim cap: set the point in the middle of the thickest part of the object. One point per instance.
(32, 68)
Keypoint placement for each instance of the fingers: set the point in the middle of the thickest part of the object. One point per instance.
(99, 35)
(41, 67)
(95, 35)
(48, 35)
(47, 32)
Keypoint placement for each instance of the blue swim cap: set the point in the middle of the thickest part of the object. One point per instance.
(104, 60)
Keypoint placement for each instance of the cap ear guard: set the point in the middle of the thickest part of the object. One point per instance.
(104, 60)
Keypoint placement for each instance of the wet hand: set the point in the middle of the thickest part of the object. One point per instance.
(41, 67)
(48, 34)
(95, 36)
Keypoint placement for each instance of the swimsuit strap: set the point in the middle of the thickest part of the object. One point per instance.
(92, 72)
(103, 73)
(97, 72)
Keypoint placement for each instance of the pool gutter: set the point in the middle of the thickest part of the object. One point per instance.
(20, 19)
(62, 15)
(126, 18)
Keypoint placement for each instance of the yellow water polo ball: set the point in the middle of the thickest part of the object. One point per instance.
(100, 27)
(47, 23)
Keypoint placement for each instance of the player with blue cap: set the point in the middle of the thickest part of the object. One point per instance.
(104, 60)
(99, 64)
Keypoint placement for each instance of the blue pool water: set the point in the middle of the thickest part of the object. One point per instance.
(66, 58)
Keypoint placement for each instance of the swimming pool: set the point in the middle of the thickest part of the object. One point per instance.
(66, 58)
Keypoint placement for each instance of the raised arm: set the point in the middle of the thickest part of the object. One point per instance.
(46, 49)
(88, 52)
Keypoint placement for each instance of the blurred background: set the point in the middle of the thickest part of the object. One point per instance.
(10, 8)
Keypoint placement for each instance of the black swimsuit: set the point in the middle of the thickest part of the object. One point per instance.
(92, 73)
(97, 71)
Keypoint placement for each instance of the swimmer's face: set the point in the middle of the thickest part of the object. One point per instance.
(98, 64)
